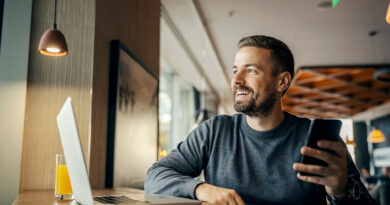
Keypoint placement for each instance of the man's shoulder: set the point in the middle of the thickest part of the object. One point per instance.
(301, 123)
(297, 119)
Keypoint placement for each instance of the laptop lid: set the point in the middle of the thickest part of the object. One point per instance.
(76, 165)
(73, 154)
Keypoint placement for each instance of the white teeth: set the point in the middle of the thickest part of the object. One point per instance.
(242, 93)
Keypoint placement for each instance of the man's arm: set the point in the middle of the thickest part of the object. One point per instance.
(364, 196)
(335, 176)
(173, 175)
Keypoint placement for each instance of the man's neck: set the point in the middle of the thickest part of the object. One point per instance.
(264, 123)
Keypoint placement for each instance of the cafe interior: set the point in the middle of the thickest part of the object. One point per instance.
(143, 73)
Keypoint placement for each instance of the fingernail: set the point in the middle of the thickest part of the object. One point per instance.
(320, 143)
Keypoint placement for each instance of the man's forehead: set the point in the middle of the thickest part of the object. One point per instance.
(251, 55)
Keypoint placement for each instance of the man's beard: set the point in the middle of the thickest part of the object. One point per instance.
(255, 106)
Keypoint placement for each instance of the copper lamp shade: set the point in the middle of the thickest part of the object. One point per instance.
(53, 43)
(376, 136)
(388, 15)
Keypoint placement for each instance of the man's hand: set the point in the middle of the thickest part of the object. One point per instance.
(334, 175)
(216, 195)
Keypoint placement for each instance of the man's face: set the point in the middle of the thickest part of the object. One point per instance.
(253, 85)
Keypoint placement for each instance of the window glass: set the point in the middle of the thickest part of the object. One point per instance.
(176, 110)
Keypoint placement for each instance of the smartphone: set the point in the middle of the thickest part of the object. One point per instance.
(320, 129)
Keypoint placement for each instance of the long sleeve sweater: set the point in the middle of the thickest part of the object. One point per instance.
(257, 164)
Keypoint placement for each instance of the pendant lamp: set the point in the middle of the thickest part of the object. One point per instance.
(382, 75)
(376, 136)
(350, 142)
(53, 42)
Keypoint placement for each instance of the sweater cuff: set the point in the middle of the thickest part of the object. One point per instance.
(191, 186)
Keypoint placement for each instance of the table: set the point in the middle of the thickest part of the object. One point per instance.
(46, 197)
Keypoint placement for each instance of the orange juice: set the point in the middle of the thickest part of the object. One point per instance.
(63, 186)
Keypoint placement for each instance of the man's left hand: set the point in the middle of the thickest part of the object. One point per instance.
(334, 176)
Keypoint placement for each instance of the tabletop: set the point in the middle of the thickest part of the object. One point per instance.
(46, 197)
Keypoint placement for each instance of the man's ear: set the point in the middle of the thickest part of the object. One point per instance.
(284, 80)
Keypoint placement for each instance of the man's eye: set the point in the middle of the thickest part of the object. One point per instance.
(234, 71)
(251, 70)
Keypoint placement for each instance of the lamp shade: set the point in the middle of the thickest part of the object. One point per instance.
(382, 75)
(376, 136)
(53, 43)
(350, 142)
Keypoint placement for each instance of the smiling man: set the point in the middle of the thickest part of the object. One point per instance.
(252, 157)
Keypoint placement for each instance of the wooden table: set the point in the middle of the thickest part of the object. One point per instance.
(46, 197)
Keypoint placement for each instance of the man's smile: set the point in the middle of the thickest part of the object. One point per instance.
(241, 92)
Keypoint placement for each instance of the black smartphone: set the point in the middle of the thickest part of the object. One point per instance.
(320, 129)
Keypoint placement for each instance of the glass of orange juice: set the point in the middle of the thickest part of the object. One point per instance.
(63, 188)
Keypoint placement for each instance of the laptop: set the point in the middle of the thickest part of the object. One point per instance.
(78, 173)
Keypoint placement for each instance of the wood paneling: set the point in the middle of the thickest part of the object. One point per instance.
(83, 75)
(136, 23)
(50, 81)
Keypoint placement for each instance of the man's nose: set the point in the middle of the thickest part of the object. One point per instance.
(238, 79)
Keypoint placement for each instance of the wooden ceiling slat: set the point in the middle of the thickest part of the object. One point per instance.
(363, 88)
(310, 79)
(330, 94)
(362, 77)
(341, 108)
(334, 92)
(326, 114)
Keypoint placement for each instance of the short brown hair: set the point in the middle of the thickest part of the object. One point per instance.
(279, 51)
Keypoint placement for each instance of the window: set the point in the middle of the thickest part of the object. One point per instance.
(176, 110)
(346, 133)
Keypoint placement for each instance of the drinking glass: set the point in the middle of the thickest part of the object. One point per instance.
(63, 188)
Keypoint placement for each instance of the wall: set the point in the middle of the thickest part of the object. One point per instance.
(50, 81)
(136, 23)
(13, 82)
(83, 75)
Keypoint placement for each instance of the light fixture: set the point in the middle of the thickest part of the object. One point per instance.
(382, 75)
(388, 14)
(324, 5)
(376, 136)
(53, 42)
(334, 3)
(327, 4)
(350, 142)
(163, 153)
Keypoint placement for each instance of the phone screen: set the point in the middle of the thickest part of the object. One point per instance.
(320, 129)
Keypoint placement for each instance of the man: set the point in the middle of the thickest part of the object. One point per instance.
(252, 158)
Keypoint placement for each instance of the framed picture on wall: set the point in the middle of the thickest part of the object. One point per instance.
(132, 119)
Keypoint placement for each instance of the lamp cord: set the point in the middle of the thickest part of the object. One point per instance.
(55, 15)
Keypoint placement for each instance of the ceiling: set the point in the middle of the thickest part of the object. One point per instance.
(210, 30)
(335, 92)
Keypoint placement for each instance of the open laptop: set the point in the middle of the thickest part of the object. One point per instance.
(78, 173)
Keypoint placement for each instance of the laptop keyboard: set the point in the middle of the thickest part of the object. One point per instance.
(118, 200)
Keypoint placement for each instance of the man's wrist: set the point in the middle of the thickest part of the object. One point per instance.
(197, 189)
(352, 192)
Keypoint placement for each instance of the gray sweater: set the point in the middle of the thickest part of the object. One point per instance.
(258, 165)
